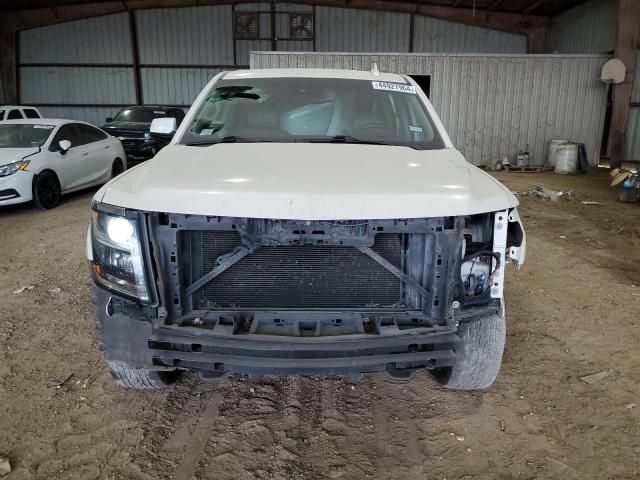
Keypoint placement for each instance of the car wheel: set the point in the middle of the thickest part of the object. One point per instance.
(128, 376)
(478, 356)
(110, 325)
(46, 190)
(117, 168)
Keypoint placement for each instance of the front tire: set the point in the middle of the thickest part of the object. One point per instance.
(46, 191)
(117, 168)
(140, 378)
(479, 355)
(120, 341)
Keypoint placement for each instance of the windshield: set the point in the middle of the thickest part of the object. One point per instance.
(24, 135)
(143, 115)
(313, 110)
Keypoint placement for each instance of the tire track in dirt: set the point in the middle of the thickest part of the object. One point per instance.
(194, 442)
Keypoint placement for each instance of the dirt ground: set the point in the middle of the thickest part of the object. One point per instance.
(574, 309)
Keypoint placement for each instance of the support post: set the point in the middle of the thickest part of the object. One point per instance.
(536, 39)
(627, 51)
(135, 58)
(8, 63)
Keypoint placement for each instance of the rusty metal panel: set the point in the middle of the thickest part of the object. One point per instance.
(159, 84)
(432, 35)
(350, 30)
(77, 85)
(631, 149)
(187, 36)
(104, 39)
(591, 27)
(492, 105)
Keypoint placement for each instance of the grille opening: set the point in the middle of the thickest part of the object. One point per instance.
(196, 347)
(301, 276)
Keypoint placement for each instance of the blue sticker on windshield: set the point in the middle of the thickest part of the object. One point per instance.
(415, 129)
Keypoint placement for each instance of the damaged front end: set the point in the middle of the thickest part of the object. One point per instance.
(262, 296)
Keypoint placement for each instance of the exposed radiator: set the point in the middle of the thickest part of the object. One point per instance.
(307, 276)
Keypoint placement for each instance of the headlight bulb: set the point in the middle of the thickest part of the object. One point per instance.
(120, 231)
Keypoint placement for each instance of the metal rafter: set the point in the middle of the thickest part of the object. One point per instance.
(533, 6)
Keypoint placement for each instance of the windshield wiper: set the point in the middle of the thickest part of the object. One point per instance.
(344, 139)
(227, 139)
(350, 139)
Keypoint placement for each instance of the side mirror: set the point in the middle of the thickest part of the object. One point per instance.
(64, 146)
(109, 119)
(163, 128)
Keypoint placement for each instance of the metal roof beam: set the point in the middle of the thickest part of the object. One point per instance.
(533, 6)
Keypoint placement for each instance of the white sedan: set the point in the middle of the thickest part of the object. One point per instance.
(41, 159)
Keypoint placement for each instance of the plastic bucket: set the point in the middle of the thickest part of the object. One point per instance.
(553, 151)
(567, 158)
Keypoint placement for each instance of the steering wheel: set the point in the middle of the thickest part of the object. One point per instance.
(370, 130)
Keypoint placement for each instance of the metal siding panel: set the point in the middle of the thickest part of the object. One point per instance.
(631, 150)
(294, 46)
(243, 47)
(588, 28)
(440, 36)
(94, 115)
(104, 39)
(187, 36)
(84, 85)
(159, 84)
(346, 29)
(635, 94)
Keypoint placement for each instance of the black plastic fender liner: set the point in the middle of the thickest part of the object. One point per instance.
(123, 334)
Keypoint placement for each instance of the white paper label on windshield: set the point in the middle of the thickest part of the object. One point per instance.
(394, 87)
(413, 128)
(45, 127)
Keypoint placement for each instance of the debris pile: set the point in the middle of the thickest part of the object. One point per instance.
(542, 192)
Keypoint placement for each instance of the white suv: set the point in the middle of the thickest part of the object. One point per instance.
(304, 222)
(14, 112)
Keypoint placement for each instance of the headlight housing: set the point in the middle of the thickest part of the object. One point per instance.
(12, 168)
(118, 259)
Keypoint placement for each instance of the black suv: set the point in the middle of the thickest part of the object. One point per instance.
(131, 126)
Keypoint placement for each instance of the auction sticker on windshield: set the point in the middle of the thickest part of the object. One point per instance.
(394, 87)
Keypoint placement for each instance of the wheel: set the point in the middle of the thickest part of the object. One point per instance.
(117, 168)
(121, 337)
(479, 355)
(46, 190)
(140, 378)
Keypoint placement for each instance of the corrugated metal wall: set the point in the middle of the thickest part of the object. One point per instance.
(349, 30)
(439, 36)
(493, 105)
(90, 62)
(588, 28)
(186, 36)
(94, 41)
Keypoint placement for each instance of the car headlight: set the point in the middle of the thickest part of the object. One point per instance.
(12, 168)
(147, 135)
(117, 255)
